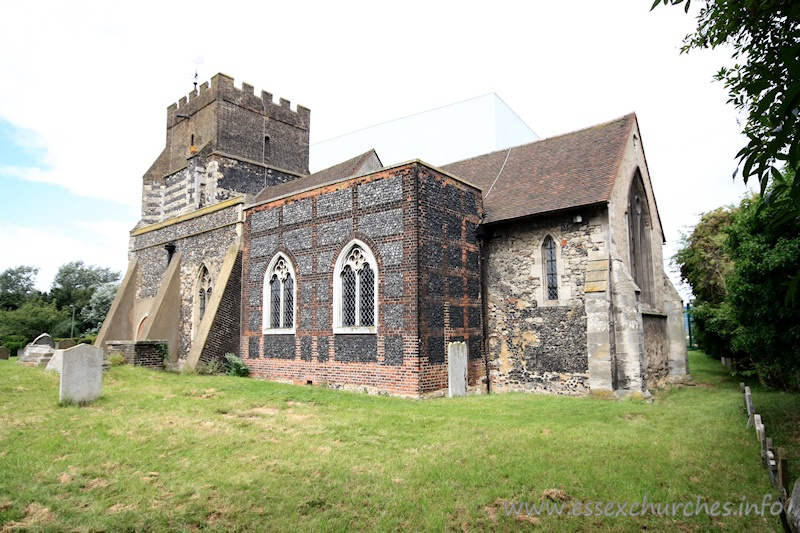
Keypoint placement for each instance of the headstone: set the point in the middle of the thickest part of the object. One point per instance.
(56, 362)
(751, 410)
(63, 344)
(81, 374)
(3, 353)
(457, 368)
(44, 340)
(793, 507)
(783, 469)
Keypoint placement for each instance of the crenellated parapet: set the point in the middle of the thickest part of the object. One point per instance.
(222, 87)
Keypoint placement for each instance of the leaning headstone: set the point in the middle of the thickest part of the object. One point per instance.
(63, 344)
(56, 362)
(44, 340)
(783, 470)
(81, 374)
(3, 353)
(793, 507)
(457, 368)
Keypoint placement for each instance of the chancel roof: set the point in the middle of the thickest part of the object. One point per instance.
(564, 172)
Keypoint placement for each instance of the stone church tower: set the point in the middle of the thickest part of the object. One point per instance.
(223, 142)
(223, 145)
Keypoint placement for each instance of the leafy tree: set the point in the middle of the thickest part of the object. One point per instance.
(20, 326)
(74, 285)
(740, 286)
(764, 84)
(766, 259)
(99, 304)
(705, 265)
(17, 286)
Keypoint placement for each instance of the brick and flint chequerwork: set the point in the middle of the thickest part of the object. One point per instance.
(419, 224)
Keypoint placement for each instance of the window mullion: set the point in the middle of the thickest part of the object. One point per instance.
(358, 298)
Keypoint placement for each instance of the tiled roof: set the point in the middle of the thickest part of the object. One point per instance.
(568, 171)
(332, 174)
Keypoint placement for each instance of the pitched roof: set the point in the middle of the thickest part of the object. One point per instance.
(571, 170)
(342, 171)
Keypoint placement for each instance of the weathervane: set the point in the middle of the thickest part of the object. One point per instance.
(198, 60)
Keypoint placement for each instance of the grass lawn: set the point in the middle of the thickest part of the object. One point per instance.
(182, 452)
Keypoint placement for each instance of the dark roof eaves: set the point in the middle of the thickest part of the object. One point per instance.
(347, 178)
(550, 213)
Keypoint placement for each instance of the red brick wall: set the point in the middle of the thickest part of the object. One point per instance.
(451, 308)
(383, 210)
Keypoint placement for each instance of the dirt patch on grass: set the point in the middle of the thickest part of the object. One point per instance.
(120, 508)
(97, 483)
(36, 515)
(556, 495)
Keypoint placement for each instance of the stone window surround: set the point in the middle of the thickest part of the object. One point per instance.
(267, 297)
(341, 261)
(198, 286)
(539, 271)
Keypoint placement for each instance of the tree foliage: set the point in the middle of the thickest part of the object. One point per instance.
(740, 308)
(74, 285)
(99, 304)
(764, 84)
(20, 326)
(25, 312)
(17, 286)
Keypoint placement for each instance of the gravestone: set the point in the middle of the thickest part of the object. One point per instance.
(751, 410)
(43, 340)
(56, 362)
(457, 368)
(793, 507)
(3, 353)
(63, 344)
(81, 374)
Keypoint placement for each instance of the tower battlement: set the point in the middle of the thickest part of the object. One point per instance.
(222, 87)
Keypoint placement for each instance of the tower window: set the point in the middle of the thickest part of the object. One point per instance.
(267, 153)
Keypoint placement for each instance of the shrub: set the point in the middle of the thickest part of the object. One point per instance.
(117, 359)
(210, 367)
(236, 366)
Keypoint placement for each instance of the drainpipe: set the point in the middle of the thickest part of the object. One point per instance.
(484, 234)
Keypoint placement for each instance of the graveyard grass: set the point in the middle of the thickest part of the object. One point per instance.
(180, 452)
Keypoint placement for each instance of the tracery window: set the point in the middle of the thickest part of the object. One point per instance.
(640, 251)
(279, 296)
(550, 268)
(354, 290)
(204, 291)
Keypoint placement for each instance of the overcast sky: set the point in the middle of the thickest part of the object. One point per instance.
(84, 88)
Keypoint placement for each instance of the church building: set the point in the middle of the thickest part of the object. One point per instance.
(532, 268)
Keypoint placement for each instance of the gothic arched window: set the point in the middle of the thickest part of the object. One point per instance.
(203, 291)
(202, 296)
(355, 302)
(279, 296)
(550, 268)
(640, 249)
